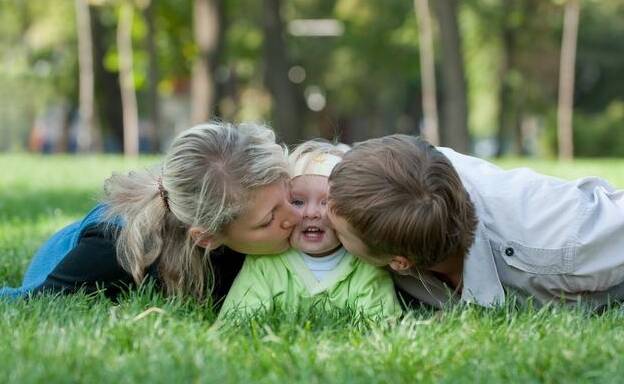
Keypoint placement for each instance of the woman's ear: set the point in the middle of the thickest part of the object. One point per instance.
(204, 239)
(400, 263)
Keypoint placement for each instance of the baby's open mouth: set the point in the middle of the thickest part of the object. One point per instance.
(313, 233)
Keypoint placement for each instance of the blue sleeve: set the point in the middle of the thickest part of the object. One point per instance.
(91, 265)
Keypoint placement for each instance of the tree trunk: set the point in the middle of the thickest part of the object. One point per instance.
(286, 113)
(88, 138)
(454, 131)
(507, 117)
(107, 93)
(566, 80)
(152, 79)
(427, 72)
(126, 80)
(206, 27)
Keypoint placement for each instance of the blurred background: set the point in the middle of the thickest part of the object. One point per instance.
(540, 78)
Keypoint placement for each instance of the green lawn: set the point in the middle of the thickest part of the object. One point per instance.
(89, 339)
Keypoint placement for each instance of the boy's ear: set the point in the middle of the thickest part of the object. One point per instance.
(204, 239)
(400, 263)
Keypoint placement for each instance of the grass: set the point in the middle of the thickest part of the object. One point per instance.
(148, 338)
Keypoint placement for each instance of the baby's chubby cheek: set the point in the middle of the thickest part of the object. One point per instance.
(334, 239)
(293, 237)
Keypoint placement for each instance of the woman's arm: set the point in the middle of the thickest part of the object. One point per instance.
(226, 264)
(91, 265)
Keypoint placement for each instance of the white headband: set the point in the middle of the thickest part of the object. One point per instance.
(315, 164)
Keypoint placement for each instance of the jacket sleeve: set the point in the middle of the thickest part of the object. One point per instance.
(91, 266)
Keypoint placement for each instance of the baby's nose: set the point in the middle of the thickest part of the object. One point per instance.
(312, 211)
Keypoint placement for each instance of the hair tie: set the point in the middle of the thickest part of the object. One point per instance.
(164, 195)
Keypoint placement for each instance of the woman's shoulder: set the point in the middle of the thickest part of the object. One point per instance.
(104, 231)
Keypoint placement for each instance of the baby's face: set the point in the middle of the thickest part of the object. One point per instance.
(314, 235)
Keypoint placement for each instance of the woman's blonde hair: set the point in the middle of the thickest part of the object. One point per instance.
(206, 175)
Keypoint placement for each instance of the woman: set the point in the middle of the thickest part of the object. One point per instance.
(221, 193)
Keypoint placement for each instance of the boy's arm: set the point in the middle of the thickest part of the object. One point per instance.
(250, 291)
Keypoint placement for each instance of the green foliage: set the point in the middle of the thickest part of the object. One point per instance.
(174, 38)
(599, 59)
(370, 75)
(595, 135)
(375, 63)
(37, 63)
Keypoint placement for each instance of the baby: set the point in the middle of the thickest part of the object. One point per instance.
(317, 268)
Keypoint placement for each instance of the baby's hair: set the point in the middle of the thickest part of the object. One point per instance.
(313, 148)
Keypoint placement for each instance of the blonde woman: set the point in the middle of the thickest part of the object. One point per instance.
(221, 192)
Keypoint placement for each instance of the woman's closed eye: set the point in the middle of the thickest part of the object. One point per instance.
(268, 222)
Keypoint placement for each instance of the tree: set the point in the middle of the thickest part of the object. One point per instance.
(152, 77)
(455, 106)
(566, 79)
(285, 98)
(126, 80)
(509, 132)
(87, 134)
(207, 32)
(427, 70)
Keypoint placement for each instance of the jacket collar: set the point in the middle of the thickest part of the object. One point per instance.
(481, 284)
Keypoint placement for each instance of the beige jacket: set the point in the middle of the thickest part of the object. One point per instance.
(537, 236)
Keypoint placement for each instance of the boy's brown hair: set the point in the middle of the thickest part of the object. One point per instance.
(403, 197)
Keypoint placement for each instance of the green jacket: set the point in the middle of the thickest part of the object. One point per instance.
(285, 279)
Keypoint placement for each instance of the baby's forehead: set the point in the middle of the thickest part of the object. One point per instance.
(310, 184)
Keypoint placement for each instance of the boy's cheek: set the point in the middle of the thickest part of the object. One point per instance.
(370, 260)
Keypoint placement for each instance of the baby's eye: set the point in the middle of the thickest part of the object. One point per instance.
(323, 202)
(296, 203)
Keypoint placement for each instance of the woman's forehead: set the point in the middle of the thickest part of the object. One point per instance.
(264, 199)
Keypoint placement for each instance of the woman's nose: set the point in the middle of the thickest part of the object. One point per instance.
(291, 218)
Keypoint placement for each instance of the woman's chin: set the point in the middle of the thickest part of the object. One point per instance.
(284, 248)
(266, 250)
(279, 248)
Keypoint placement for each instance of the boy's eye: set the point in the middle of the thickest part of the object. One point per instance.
(296, 203)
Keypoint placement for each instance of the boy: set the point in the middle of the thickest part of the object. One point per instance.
(453, 226)
(317, 269)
